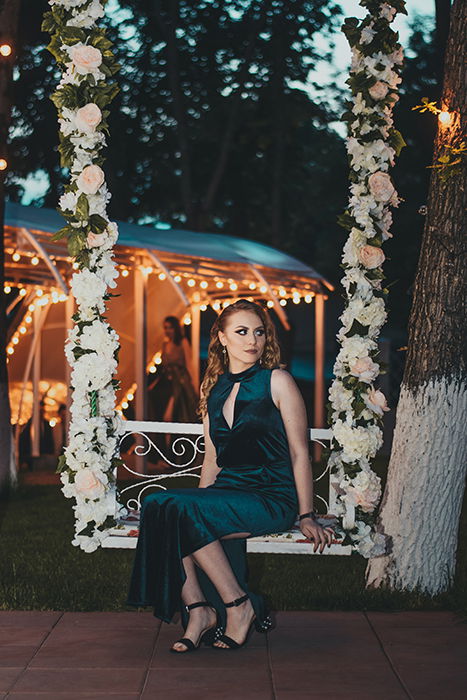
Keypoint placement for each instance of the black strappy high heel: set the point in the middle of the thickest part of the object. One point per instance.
(260, 626)
(206, 636)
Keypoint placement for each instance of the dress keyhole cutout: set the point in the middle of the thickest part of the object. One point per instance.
(228, 409)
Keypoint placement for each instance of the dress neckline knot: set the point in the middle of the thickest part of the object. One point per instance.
(245, 374)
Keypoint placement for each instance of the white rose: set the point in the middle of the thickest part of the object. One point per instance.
(87, 484)
(90, 179)
(88, 117)
(365, 369)
(67, 201)
(366, 36)
(376, 401)
(381, 186)
(85, 58)
(371, 256)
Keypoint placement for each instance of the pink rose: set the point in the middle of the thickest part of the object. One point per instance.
(371, 256)
(398, 56)
(90, 179)
(86, 58)
(375, 400)
(379, 90)
(87, 484)
(381, 186)
(94, 240)
(365, 369)
(88, 117)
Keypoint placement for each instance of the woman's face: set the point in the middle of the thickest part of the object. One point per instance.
(169, 330)
(244, 336)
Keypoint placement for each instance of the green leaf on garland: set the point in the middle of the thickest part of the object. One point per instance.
(61, 233)
(396, 140)
(357, 328)
(97, 223)
(82, 207)
(61, 464)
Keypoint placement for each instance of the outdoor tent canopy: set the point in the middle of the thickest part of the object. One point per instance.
(162, 271)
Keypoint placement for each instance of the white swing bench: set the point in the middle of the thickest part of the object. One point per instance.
(188, 449)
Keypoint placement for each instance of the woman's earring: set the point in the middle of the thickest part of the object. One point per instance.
(224, 350)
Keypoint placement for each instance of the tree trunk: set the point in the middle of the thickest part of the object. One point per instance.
(442, 14)
(9, 11)
(422, 500)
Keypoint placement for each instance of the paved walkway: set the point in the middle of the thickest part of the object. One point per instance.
(326, 655)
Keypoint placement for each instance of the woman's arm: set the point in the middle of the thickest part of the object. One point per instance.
(209, 470)
(289, 401)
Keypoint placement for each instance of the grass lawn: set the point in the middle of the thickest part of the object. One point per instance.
(39, 569)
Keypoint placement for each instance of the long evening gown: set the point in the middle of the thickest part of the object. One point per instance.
(254, 492)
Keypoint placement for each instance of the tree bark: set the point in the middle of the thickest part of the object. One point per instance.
(422, 500)
(9, 12)
(442, 14)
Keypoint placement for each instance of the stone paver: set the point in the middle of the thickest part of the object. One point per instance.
(310, 655)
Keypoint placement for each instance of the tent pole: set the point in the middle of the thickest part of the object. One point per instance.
(36, 375)
(195, 338)
(318, 421)
(140, 298)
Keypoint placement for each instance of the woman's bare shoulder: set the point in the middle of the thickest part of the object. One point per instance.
(282, 383)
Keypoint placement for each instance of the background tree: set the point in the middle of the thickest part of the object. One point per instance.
(9, 11)
(426, 479)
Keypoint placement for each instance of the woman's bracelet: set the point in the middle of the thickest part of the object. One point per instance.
(311, 515)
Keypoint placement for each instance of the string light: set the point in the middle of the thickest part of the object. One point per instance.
(125, 272)
(187, 320)
(445, 117)
(16, 257)
(308, 298)
(216, 306)
(7, 289)
(219, 284)
(177, 278)
(282, 292)
(191, 283)
(22, 292)
(203, 284)
(162, 275)
(5, 50)
(252, 285)
(10, 350)
(270, 304)
(35, 260)
(283, 302)
(233, 286)
(3, 164)
(203, 307)
(75, 266)
(153, 369)
(263, 289)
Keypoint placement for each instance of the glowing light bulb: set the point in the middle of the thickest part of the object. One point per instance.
(282, 292)
(22, 329)
(152, 369)
(216, 306)
(16, 257)
(270, 304)
(252, 285)
(203, 284)
(162, 275)
(263, 289)
(233, 286)
(31, 307)
(22, 292)
(130, 397)
(35, 260)
(445, 117)
(62, 297)
(158, 360)
(308, 298)
(3, 164)
(7, 289)
(28, 319)
(187, 320)
(15, 340)
(219, 285)
(52, 422)
(124, 404)
(203, 307)
(177, 278)
(191, 283)
(75, 266)
(10, 350)
(125, 272)
(283, 302)
(5, 50)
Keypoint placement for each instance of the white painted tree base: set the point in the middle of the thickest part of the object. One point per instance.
(422, 500)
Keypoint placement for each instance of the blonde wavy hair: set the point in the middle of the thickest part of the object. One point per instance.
(270, 357)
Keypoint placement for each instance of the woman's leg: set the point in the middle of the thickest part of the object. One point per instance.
(200, 618)
(213, 561)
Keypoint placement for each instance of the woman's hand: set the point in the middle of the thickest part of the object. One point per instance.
(320, 535)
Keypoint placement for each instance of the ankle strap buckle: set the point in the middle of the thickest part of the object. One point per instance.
(237, 601)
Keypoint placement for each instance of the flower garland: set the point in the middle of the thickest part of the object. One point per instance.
(356, 406)
(87, 465)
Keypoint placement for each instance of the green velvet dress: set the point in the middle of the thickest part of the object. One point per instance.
(254, 492)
